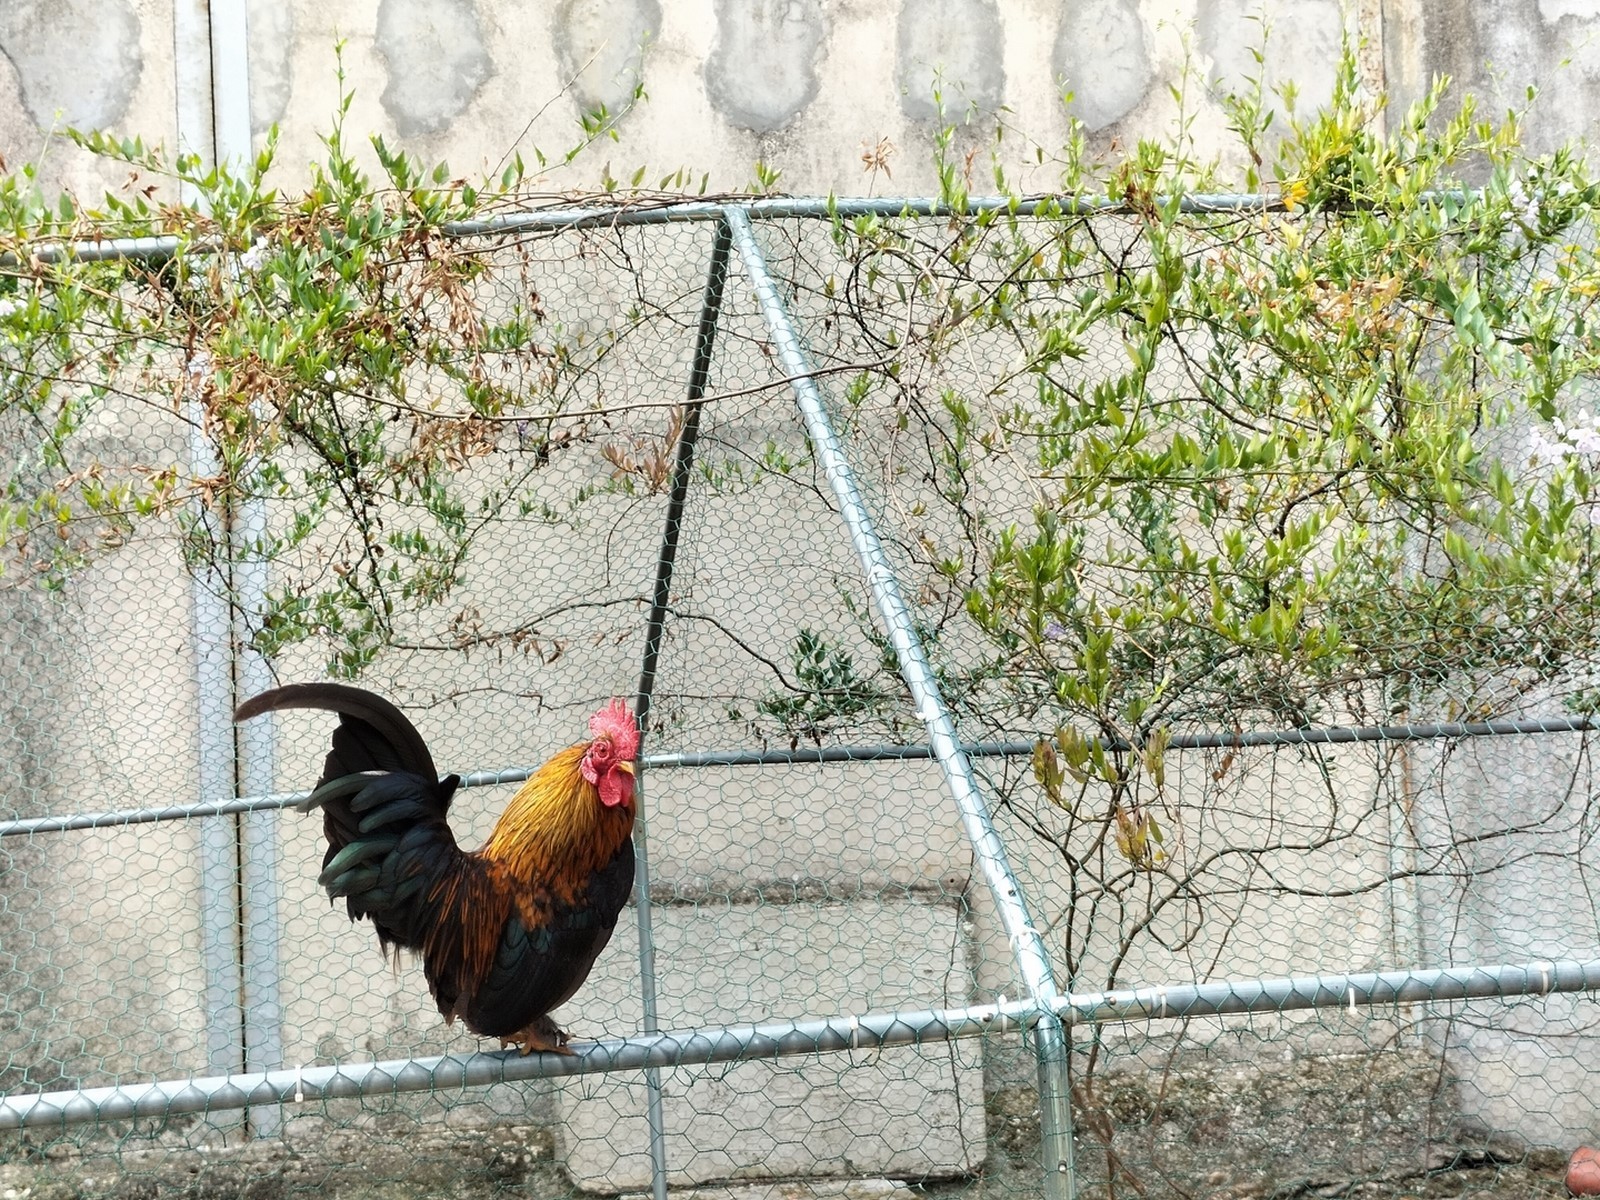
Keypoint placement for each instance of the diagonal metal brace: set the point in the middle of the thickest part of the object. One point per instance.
(1033, 962)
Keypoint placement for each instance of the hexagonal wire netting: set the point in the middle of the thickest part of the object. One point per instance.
(849, 923)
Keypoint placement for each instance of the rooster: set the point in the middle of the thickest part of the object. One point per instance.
(507, 932)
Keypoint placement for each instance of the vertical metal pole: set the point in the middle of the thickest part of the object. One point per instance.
(213, 633)
(238, 854)
(661, 594)
(259, 931)
(1057, 1160)
(1032, 960)
(230, 82)
(191, 45)
(219, 856)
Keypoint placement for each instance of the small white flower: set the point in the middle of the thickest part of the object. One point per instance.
(329, 377)
(1585, 441)
(255, 256)
(1543, 451)
(9, 305)
(1526, 207)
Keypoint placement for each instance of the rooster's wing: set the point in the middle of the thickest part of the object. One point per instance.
(538, 969)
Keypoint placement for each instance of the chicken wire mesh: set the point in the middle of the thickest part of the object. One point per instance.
(781, 890)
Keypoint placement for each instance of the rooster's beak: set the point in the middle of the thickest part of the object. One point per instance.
(625, 766)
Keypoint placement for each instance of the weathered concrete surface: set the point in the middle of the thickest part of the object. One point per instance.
(956, 48)
(1511, 821)
(437, 60)
(1498, 51)
(901, 1112)
(79, 61)
(270, 28)
(762, 71)
(602, 45)
(1300, 38)
(84, 63)
(801, 84)
(1103, 56)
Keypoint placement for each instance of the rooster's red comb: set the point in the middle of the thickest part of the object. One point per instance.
(617, 723)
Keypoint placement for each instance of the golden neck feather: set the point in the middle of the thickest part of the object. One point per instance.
(555, 824)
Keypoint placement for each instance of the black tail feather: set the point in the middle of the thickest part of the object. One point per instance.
(397, 745)
(383, 810)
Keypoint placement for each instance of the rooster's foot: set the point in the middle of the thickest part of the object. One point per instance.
(540, 1034)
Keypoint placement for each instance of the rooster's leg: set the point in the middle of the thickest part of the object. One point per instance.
(541, 1034)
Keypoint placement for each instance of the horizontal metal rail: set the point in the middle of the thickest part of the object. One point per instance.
(668, 212)
(25, 826)
(1325, 735)
(1159, 1002)
(778, 1039)
(111, 249)
(814, 207)
(557, 218)
(1340, 734)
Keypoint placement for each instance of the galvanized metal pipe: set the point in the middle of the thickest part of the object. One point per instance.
(191, 58)
(1283, 994)
(256, 833)
(1052, 1056)
(815, 207)
(624, 215)
(778, 1039)
(356, 1080)
(1235, 739)
(255, 747)
(1033, 962)
(917, 672)
(216, 837)
(25, 826)
(655, 632)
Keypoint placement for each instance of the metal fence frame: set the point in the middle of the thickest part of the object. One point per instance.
(1045, 1015)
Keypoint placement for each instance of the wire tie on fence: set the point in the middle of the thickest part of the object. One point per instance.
(1544, 978)
(1020, 933)
(855, 1032)
(299, 1087)
(1352, 999)
(1161, 1000)
(999, 1013)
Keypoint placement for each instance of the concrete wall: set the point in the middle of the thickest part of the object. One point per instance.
(805, 85)
(100, 943)
(1506, 830)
